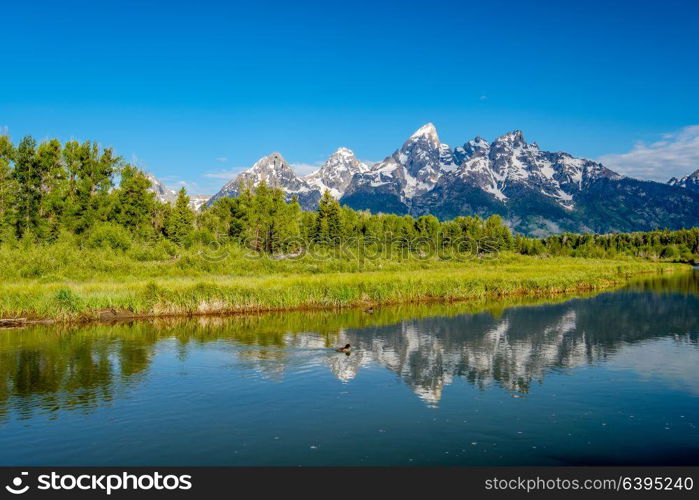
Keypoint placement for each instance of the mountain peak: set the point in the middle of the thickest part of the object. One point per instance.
(336, 173)
(690, 181)
(516, 137)
(427, 130)
(272, 161)
(343, 151)
(276, 156)
(162, 192)
(476, 144)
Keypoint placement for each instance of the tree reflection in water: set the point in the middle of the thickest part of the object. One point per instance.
(508, 344)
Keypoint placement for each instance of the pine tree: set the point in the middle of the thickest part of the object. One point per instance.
(134, 201)
(180, 223)
(259, 217)
(283, 228)
(90, 178)
(53, 188)
(328, 226)
(28, 181)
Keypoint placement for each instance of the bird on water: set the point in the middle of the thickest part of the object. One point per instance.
(345, 349)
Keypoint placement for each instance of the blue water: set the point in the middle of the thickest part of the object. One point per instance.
(607, 379)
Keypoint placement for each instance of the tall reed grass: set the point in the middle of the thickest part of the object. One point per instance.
(65, 283)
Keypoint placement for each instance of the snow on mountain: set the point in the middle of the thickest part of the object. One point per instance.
(196, 201)
(336, 173)
(510, 161)
(423, 161)
(537, 192)
(162, 192)
(495, 168)
(275, 171)
(411, 170)
(690, 181)
(167, 195)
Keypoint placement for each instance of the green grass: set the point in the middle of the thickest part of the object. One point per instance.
(63, 283)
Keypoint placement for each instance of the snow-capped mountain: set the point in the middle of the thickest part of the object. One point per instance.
(501, 169)
(510, 161)
(196, 201)
(162, 192)
(690, 181)
(410, 171)
(537, 192)
(336, 173)
(275, 172)
(167, 195)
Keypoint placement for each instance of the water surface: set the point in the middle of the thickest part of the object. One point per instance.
(606, 379)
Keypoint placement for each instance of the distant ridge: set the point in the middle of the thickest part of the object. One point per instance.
(690, 181)
(537, 192)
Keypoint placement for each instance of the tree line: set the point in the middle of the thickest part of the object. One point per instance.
(682, 244)
(261, 218)
(49, 190)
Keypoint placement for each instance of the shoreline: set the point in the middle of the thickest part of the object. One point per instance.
(169, 303)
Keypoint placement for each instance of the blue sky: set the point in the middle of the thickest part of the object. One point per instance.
(193, 91)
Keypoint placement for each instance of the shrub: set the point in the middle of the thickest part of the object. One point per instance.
(670, 252)
(109, 236)
(162, 250)
(201, 236)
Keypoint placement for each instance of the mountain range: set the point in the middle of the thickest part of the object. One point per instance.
(537, 192)
(690, 181)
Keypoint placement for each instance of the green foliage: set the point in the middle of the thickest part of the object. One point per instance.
(8, 190)
(134, 202)
(680, 245)
(89, 175)
(180, 221)
(68, 301)
(107, 235)
(62, 219)
(28, 177)
(328, 224)
(61, 281)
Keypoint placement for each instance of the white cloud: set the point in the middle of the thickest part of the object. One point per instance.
(222, 159)
(227, 174)
(674, 155)
(483, 97)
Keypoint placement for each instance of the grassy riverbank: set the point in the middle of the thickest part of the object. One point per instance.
(98, 285)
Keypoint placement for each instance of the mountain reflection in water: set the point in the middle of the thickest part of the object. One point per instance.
(506, 347)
